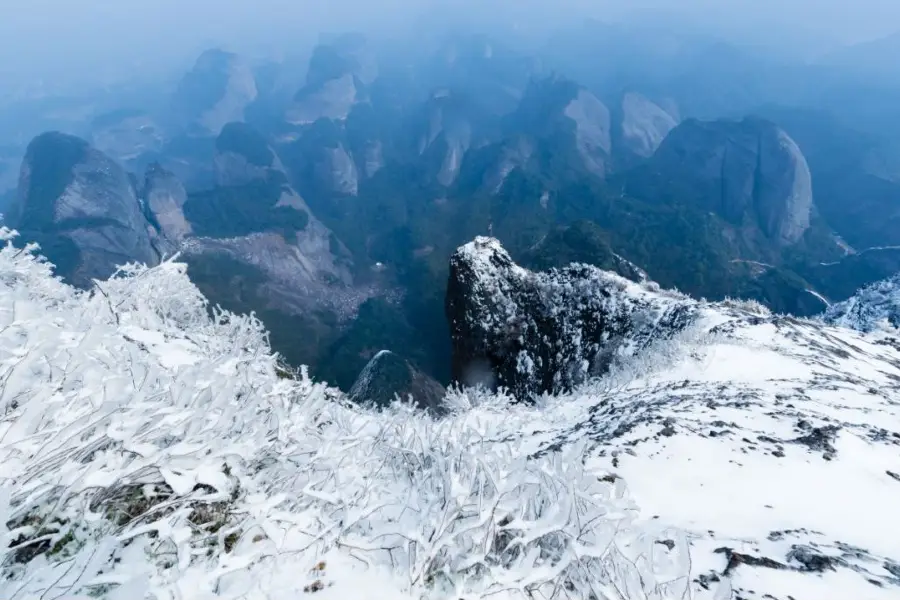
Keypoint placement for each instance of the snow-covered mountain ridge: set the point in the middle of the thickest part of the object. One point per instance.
(874, 307)
(148, 450)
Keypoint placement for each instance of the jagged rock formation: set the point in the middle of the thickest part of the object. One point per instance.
(748, 172)
(388, 376)
(216, 91)
(644, 125)
(82, 207)
(873, 307)
(547, 332)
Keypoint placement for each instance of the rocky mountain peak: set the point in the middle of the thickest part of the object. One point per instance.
(336, 81)
(749, 172)
(82, 207)
(547, 332)
(388, 376)
(216, 91)
(556, 106)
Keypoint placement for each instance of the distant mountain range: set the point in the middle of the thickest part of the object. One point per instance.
(331, 209)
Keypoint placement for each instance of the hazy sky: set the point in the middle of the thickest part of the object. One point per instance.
(81, 38)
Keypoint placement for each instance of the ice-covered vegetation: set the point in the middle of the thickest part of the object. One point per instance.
(153, 448)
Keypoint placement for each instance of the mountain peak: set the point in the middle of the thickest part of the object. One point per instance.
(749, 172)
(82, 207)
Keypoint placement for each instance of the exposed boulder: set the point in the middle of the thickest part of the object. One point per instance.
(83, 209)
(547, 332)
(388, 377)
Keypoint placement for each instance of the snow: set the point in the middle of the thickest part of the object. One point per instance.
(873, 307)
(149, 450)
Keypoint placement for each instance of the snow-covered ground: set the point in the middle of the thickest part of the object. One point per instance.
(150, 451)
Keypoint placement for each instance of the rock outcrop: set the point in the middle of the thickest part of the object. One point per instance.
(388, 377)
(873, 307)
(83, 209)
(547, 332)
(748, 172)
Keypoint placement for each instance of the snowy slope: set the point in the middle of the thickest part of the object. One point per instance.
(148, 451)
(873, 307)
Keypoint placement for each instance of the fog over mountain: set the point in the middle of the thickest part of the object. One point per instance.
(100, 40)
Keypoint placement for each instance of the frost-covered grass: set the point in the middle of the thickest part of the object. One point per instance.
(150, 450)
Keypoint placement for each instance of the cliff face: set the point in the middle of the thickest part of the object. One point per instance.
(750, 172)
(165, 197)
(547, 332)
(644, 125)
(82, 207)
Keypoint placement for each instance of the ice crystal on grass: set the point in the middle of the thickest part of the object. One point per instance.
(150, 448)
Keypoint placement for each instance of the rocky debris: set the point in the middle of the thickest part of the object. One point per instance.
(388, 377)
(644, 125)
(547, 332)
(216, 91)
(82, 207)
(746, 171)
